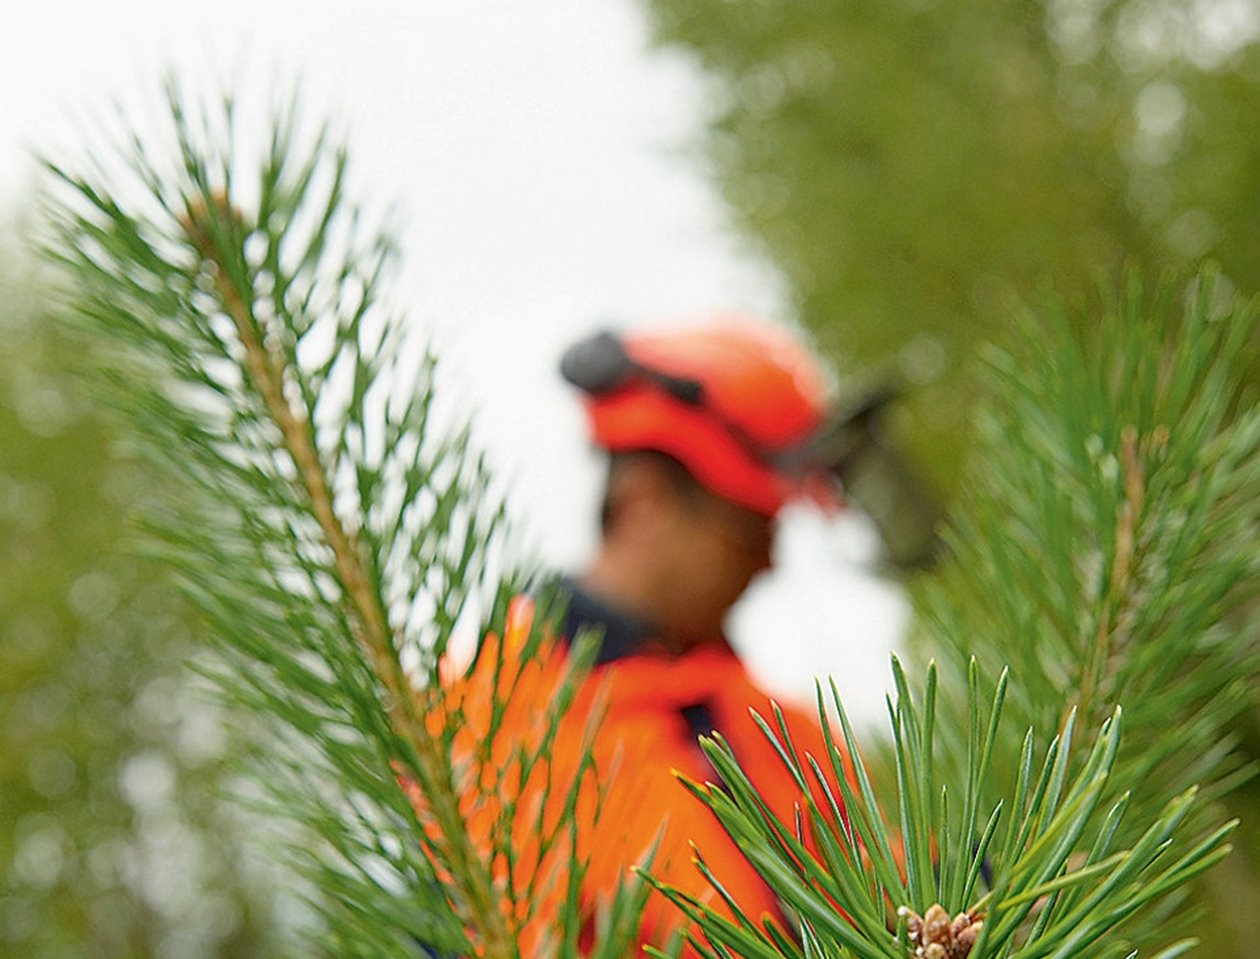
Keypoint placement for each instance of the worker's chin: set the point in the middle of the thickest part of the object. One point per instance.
(736, 594)
(701, 629)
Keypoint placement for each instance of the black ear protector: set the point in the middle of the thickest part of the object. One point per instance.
(600, 365)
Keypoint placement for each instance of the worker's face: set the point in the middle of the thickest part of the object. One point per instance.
(721, 547)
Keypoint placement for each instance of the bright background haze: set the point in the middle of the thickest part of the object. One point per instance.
(537, 158)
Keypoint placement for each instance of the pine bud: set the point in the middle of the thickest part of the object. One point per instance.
(934, 936)
(936, 925)
(914, 925)
(967, 938)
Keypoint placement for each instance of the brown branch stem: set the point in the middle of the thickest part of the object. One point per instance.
(1129, 515)
(267, 368)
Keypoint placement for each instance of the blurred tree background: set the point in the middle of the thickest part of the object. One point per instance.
(115, 840)
(913, 168)
(910, 166)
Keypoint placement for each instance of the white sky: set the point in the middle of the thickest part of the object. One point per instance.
(538, 154)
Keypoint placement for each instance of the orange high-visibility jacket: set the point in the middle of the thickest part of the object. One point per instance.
(653, 707)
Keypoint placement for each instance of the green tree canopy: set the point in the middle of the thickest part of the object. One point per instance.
(909, 165)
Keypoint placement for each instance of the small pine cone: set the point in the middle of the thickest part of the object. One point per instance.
(936, 951)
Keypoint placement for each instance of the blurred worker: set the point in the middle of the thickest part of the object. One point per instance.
(710, 431)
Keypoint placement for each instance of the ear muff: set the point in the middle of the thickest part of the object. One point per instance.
(600, 365)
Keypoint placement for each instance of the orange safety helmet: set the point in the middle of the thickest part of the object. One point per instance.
(740, 405)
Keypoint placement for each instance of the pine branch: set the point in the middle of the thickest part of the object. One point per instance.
(331, 534)
(1127, 577)
(335, 538)
(1043, 877)
(1107, 547)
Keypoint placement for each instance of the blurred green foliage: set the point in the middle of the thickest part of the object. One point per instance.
(114, 840)
(911, 166)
